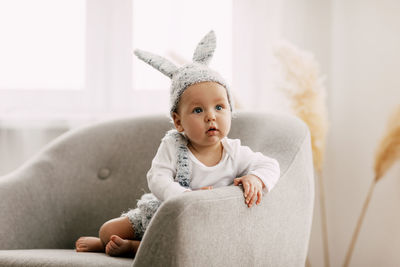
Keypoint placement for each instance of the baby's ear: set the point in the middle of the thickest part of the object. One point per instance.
(177, 122)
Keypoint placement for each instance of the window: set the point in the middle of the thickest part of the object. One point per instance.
(74, 58)
(43, 59)
(43, 44)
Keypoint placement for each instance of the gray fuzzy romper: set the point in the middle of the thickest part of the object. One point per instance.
(148, 204)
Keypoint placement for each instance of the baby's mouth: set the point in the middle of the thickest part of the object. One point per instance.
(212, 129)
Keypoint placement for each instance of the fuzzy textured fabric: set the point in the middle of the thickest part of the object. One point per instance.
(182, 164)
(148, 204)
(140, 217)
(189, 74)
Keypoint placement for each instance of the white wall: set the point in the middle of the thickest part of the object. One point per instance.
(255, 28)
(364, 89)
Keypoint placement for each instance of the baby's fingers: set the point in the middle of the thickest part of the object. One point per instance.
(259, 195)
(253, 198)
(250, 192)
(247, 188)
(236, 181)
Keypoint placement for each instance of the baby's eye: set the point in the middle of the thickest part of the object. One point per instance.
(197, 110)
(219, 107)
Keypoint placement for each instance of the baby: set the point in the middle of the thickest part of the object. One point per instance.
(196, 156)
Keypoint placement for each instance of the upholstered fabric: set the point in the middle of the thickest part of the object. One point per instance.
(59, 258)
(92, 174)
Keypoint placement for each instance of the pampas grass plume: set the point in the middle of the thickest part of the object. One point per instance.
(303, 85)
(388, 150)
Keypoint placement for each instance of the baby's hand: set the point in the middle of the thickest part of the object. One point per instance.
(252, 188)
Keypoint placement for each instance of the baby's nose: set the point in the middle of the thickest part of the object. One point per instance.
(210, 116)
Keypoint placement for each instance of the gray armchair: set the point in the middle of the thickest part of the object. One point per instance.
(90, 175)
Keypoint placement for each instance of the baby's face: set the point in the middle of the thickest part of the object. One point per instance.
(204, 114)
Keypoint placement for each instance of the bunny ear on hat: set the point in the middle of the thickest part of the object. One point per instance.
(183, 77)
(159, 63)
(205, 49)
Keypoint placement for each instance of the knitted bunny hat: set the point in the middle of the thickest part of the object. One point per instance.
(189, 74)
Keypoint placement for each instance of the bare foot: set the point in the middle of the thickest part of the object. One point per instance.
(89, 244)
(122, 247)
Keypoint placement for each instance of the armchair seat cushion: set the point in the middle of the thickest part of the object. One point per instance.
(59, 257)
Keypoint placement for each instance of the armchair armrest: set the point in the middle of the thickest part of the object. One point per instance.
(216, 228)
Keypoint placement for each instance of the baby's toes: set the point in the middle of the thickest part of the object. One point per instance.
(117, 240)
(116, 246)
(81, 245)
(79, 241)
(107, 249)
(110, 248)
(82, 248)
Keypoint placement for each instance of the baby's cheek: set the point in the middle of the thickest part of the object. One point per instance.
(227, 125)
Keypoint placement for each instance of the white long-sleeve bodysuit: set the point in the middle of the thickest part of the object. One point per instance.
(236, 161)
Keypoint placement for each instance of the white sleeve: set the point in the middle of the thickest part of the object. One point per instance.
(160, 177)
(266, 168)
